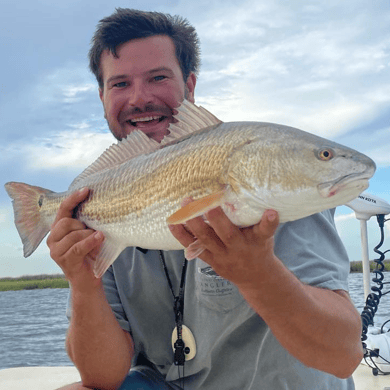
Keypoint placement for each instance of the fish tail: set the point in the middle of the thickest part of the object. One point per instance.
(27, 202)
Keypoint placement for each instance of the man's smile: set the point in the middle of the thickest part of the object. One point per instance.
(146, 121)
(154, 126)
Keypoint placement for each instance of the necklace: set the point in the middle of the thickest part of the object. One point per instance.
(183, 341)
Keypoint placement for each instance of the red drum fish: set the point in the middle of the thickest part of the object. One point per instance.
(137, 185)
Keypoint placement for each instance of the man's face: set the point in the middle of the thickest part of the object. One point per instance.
(142, 86)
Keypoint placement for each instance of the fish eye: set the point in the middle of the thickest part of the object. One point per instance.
(326, 154)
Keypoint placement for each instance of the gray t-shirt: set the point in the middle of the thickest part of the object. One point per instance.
(235, 348)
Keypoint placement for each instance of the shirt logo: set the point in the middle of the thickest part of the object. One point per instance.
(209, 272)
(212, 284)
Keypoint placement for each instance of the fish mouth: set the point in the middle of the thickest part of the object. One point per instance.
(356, 181)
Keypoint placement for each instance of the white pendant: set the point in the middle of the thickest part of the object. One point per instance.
(189, 342)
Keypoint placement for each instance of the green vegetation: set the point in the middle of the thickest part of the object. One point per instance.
(58, 281)
(357, 266)
(33, 282)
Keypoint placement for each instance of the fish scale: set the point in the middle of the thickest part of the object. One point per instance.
(137, 186)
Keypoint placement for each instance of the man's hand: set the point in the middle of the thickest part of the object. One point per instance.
(291, 309)
(72, 245)
(236, 254)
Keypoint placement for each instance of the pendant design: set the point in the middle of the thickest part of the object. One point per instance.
(189, 342)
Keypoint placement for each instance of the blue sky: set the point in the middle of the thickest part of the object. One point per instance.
(320, 67)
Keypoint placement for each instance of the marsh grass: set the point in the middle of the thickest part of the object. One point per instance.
(357, 266)
(33, 282)
(58, 281)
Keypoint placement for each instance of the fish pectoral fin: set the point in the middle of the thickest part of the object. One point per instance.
(108, 253)
(196, 208)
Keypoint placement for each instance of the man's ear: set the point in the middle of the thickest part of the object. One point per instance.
(190, 87)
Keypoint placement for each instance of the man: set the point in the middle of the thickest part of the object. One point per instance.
(267, 306)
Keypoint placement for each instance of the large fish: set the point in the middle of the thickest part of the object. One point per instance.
(137, 185)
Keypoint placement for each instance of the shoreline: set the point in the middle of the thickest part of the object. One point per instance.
(33, 282)
(357, 266)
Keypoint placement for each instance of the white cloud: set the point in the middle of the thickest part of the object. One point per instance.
(67, 149)
(380, 150)
(344, 217)
(3, 216)
(70, 83)
(323, 69)
(74, 93)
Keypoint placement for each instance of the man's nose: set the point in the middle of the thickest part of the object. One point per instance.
(139, 96)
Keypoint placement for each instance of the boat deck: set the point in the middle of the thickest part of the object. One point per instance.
(51, 378)
(365, 380)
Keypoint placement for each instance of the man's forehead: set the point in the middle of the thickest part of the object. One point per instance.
(151, 53)
(161, 44)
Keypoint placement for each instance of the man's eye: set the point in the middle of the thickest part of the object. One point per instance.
(121, 84)
(159, 78)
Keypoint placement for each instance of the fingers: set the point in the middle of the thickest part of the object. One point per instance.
(70, 203)
(73, 253)
(236, 254)
(70, 242)
(82, 248)
(182, 235)
(228, 233)
(76, 244)
(206, 233)
(63, 227)
(220, 236)
(181, 232)
(266, 228)
(187, 234)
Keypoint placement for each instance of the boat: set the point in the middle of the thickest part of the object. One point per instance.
(374, 371)
(51, 378)
(372, 374)
(38, 378)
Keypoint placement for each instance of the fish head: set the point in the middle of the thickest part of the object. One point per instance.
(346, 175)
(327, 174)
(297, 173)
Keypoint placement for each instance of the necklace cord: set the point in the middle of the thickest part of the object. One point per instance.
(178, 308)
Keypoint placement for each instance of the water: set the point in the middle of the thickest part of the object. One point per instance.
(33, 324)
(356, 292)
(33, 327)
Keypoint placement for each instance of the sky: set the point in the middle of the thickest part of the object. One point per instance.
(319, 66)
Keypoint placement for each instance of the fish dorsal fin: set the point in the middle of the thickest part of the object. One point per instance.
(135, 144)
(189, 119)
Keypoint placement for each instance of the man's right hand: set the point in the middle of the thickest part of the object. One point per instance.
(72, 245)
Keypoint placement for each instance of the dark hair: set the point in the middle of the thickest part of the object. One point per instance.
(127, 24)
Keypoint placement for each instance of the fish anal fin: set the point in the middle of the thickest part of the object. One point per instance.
(108, 253)
(196, 208)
